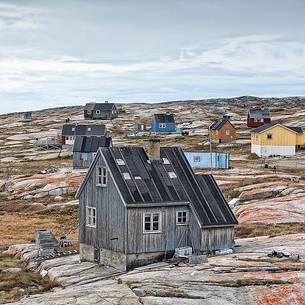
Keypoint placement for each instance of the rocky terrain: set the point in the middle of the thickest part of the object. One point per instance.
(37, 188)
(248, 276)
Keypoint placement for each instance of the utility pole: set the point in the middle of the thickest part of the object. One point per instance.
(210, 140)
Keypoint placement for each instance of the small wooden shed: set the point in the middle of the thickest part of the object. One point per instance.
(223, 131)
(85, 148)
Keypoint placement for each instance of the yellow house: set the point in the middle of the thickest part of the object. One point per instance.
(276, 139)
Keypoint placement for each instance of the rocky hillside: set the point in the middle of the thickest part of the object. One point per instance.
(37, 188)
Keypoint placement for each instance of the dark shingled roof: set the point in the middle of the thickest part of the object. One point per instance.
(259, 113)
(67, 130)
(267, 126)
(169, 179)
(90, 144)
(100, 106)
(164, 118)
(83, 130)
(217, 125)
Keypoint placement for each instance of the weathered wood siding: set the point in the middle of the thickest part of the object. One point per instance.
(217, 238)
(82, 160)
(171, 237)
(110, 230)
(195, 233)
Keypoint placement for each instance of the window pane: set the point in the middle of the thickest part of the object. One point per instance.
(155, 226)
(147, 226)
(155, 217)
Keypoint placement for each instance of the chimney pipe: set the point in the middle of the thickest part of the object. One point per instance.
(154, 148)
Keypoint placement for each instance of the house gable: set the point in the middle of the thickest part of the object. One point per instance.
(110, 230)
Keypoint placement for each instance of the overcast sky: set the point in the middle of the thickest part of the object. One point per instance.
(62, 52)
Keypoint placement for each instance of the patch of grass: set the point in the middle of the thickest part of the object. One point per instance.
(14, 285)
(3, 197)
(272, 230)
(16, 228)
(8, 261)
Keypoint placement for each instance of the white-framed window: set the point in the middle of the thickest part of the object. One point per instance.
(91, 217)
(269, 136)
(126, 176)
(162, 125)
(197, 159)
(101, 176)
(182, 217)
(165, 161)
(98, 111)
(137, 177)
(152, 222)
(73, 128)
(172, 175)
(120, 161)
(227, 132)
(89, 129)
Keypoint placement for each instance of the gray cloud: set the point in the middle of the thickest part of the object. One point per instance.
(68, 52)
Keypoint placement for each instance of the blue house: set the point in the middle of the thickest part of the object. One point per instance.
(163, 122)
(203, 159)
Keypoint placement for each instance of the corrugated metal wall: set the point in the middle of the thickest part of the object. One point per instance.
(203, 159)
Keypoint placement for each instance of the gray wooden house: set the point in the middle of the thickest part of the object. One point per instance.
(134, 210)
(71, 131)
(100, 111)
(85, 148)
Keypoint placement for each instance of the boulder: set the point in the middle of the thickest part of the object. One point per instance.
(22, 185)
(256, 194)
(53, 186)
(12, 270)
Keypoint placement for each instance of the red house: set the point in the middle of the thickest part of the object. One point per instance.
(257, 117)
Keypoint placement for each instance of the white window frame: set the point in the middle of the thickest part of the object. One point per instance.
(126, 176)
(97, 111)
(102, 176)
(90, 217)
(228, 132)
(180, 223)
(89, 129)
(165, 161)
(73, 129)
(172, 175)
(162, 125)
(197, 159)
(151, 215)
(120, 161)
